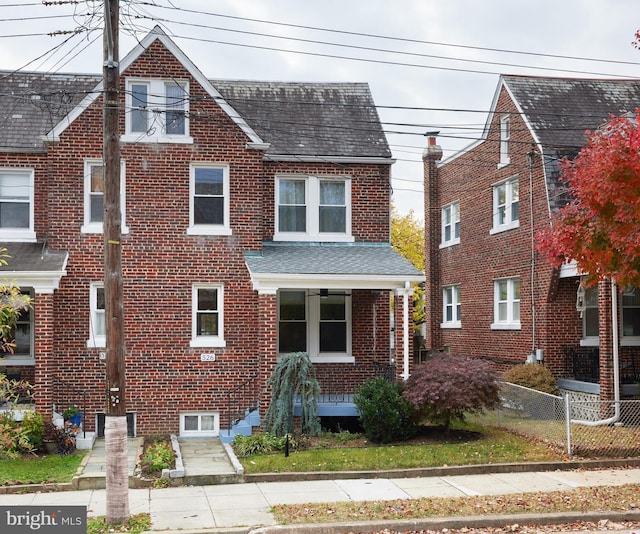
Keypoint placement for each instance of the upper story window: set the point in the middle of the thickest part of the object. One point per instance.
(451, 308)
(506, 198)
(506, 304)
(590, 325)
(316, 322)
(97, 326)
(630, 302)
(94, 196)
(16, 205)
(505, 135)
(207, 316)
(312, 208)
(157, 111)
(209, 200)
(450, 225)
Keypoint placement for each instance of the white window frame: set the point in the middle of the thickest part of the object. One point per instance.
(510, 186)
(96, 340)
(209, 229)
(200, 433)
(451, 301)
(451, 220)
(95, 227)
(505, 139)
(312, 303)
(16, 233)
(627, 341)
(7, 359)
(207, 341)
(312, 202)
(589, 341)
(511, 302)
(156, 95)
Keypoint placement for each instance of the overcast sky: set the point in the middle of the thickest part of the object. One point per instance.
(392, 45)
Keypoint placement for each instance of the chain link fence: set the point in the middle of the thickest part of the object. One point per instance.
(584, 427)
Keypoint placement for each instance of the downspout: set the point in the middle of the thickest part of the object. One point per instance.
(405, 329)
(616, 367)
(533, 255)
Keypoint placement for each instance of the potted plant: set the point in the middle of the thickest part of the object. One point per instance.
(73, 414)
(51, 436)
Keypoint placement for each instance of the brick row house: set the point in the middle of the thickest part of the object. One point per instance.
(256, 221)
(490, 293)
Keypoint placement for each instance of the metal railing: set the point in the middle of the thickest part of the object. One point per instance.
(65, 395)
(242, 400)
(584, 428)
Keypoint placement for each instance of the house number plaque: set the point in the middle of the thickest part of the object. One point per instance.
(207, 357)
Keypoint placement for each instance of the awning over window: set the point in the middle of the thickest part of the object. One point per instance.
(33, 265)
(331, 266)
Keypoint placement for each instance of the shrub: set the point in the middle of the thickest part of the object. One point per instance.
(533, 376)
(262, 443)
(158, 455)
(448, 386)
(13, 439)
(64, 438)
(384, 414)
(33, 426)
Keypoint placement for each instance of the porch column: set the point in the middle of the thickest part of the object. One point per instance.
(404, 294)
(606, 341)
(43, 352)
(267, 332)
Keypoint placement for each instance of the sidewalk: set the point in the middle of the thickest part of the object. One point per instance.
(244, 507)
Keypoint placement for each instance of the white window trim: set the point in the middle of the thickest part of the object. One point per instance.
(312, 202)
(626, 341)
(210, 229)
(511, 224)
(457, 321)
(505, 141)
(9, 360)
(94, 341)
(456, 218)
(156, 92)
(21, 234)
(509, 324)
(207, 341)
(200, 433)
(89, 227)
(589, 341)
(312, 304)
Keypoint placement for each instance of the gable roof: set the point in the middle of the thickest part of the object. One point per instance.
(296, 121)
(560, 110)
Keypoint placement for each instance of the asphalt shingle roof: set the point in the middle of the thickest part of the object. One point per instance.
(366, 259)
(32, 257)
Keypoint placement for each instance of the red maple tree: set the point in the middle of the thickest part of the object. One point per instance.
(600, 227)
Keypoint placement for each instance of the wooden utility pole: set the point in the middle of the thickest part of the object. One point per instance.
(117, 476)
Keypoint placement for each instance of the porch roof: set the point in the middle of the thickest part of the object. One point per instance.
(330, 266)
(34, 265)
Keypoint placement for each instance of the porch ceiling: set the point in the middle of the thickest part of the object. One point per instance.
(330, 266)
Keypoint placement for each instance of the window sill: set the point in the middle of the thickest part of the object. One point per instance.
(504, 227)
(8, 361)
(161, 139)
(590, 342)
(98, 228)
(17, 235)
(100, 342)
(451, 243)
(630, 341)
(506, 326)
(503, 164)
(452, 325)
(205, 229)
(205, 342)
(332, 359)
(314, 238)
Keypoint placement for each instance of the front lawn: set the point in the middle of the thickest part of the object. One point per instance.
(463, 445)
(34, 469)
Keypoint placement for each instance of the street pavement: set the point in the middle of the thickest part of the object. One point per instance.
(246, 507)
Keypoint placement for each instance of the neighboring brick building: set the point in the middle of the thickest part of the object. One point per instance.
(256, 220)
(489, 293)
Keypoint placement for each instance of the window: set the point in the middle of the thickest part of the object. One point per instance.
(590, 325)
(22, 336)
(451, 307)
(505, 135)
(16, 205)
(313, 208)
(631, 316)
(506, 304)
(203, 424)
(157, 111)
(94, 196)
(207, 319)
(97, 326)
(450, 225)
(316, 322)
(209, 200)
(505, 205)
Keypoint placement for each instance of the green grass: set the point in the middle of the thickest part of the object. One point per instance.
(136, 524)
(466, 445)
(38, 469)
